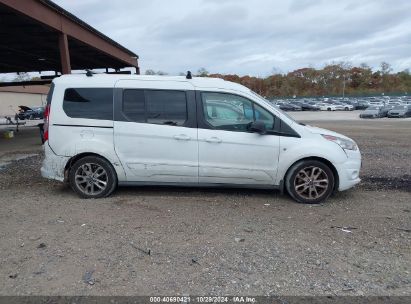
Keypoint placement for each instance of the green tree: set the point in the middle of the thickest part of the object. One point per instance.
(385, 76)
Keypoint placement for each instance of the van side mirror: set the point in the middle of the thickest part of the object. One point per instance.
(257, 126)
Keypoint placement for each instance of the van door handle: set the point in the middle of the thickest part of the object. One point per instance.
(214, 140)
(182, 137)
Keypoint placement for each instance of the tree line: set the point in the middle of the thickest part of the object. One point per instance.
(336, 79)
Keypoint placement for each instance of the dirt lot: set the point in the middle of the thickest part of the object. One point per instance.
(193, 241)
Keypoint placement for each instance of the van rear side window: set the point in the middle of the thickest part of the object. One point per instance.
(89, 103)
(134, 105)
(164, 107)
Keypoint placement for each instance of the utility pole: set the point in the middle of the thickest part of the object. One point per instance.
(343, 86)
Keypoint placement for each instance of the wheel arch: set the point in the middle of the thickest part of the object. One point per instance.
(75, 158)
(317, 158)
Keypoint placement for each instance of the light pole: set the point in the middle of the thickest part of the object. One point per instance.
(343, 86)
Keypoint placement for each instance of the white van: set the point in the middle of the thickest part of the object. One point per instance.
(104, 131)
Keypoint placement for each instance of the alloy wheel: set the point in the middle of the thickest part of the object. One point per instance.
(311, 182)
(91, 179)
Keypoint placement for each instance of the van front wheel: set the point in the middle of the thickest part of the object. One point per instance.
(310, 182)
(92, 177)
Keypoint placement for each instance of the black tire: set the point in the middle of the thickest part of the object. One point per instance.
(110, 177)
(291, 182)
(329, 109)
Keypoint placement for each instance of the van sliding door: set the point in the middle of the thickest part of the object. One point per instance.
(155, 134)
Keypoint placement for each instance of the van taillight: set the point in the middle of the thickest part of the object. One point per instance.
(46, 122)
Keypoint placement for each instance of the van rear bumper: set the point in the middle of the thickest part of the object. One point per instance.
(53, 165)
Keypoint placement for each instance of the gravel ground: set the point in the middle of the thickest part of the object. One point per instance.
(152, 241)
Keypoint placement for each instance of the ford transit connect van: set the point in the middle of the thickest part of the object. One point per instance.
(104, 131)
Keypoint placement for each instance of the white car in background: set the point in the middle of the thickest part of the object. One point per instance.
(339, 107)
(348, 107)
(327, 106)
(377, 103)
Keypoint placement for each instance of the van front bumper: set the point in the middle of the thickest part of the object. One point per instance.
(53, 165)
(349, 171)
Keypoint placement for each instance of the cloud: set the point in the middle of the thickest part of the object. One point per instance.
(301, 5)
(253, 37)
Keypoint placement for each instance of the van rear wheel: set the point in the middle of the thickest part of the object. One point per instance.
(310, 182)
(92, 177)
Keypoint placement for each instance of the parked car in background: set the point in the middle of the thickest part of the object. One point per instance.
(285, 106)
(361, 104)
(314, 103)
(356, 104)
(338, 106)
(327, 106)
(346, 106)
(296, 107)
(305, 106)
(395, 104)
(400, 111)
(26, 113)
(311, 107)
(105, 131)
(377, 103)
(308, 106)
(372, 112)
(395, 101)
(385, 110)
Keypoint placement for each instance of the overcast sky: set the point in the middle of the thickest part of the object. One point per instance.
(253, 37)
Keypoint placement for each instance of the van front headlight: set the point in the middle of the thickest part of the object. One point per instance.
(346, 144)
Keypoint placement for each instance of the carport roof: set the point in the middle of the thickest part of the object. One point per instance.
(38, 35)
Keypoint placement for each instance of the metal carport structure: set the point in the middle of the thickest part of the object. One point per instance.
(38, 35)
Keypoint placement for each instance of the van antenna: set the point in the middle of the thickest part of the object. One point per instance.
(188, 76)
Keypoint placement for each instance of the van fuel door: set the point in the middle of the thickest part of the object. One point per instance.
(87, 134)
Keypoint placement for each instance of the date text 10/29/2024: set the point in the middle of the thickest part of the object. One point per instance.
(202, 299)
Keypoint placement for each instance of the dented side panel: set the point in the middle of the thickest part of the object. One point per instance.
(53, 165)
